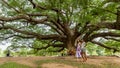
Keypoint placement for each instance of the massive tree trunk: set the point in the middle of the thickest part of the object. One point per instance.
(71, 47)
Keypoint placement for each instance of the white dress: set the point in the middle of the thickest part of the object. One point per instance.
(78, 51)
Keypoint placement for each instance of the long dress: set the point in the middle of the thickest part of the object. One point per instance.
(78, 51)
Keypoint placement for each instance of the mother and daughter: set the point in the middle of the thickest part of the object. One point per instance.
(81, 50)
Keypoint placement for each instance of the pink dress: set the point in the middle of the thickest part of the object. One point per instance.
(78, 50)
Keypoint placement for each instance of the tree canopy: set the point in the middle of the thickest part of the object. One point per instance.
(59, 23)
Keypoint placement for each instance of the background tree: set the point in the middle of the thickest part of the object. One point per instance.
(61, 22)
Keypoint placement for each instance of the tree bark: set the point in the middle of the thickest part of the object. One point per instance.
(70, 45)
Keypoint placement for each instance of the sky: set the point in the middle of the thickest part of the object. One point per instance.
(4, 45)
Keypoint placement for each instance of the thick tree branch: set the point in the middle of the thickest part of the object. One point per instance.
(36, 35)
(103, 35)
(37, 14)
(55, 28)
(2, 18)
(28, 37)
(58, 26)
(109, 25)
(102, 45)
(98, 26)
(112, 39)
(25, 17)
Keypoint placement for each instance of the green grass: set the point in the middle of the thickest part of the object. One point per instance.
(77, 64)
(13, 65)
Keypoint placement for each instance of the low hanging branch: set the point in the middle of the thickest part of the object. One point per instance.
(24, 17)
(36, 35)
(102, 45)
(51, 43)
(103, 35)
(27, 37)
(112, 38)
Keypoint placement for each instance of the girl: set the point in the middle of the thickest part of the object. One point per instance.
(78, 55)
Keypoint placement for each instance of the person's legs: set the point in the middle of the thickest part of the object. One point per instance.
(85, 57)
(82, 55)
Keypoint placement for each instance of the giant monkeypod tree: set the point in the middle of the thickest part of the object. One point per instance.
(62, 21)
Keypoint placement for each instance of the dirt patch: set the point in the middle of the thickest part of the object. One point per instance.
(56, 65)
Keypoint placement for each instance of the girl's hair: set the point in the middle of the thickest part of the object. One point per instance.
(79, 41)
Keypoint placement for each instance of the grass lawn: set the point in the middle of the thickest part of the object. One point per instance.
(13, 65)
